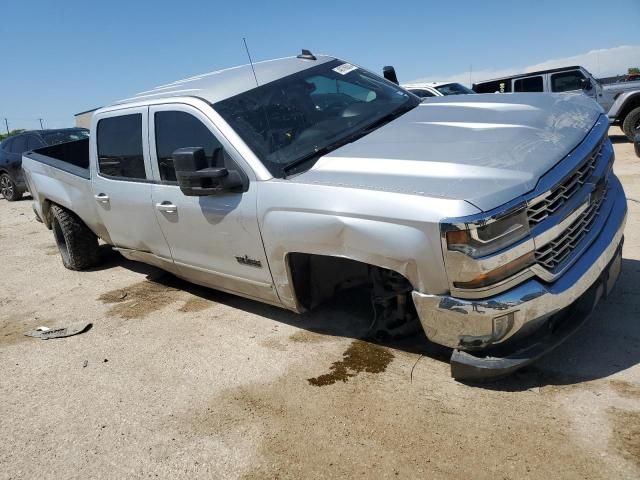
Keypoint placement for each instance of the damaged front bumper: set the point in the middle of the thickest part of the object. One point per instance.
(512, 322)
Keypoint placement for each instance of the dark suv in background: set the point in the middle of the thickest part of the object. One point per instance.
(12, 184)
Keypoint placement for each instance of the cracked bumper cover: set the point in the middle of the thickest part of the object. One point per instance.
(457, 323)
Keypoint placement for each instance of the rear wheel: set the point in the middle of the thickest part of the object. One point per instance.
(8, 188)
(631, 124)
(77, 244)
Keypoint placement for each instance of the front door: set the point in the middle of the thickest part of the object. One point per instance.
(122, 182)
(571, 81)
(215, 240)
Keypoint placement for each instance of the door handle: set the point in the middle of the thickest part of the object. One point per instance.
(167, 207)
(102, 197)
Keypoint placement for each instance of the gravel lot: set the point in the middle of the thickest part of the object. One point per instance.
(176, 381)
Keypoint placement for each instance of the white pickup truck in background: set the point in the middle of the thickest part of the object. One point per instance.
(620, 101)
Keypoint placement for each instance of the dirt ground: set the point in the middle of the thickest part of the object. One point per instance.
(176, 381)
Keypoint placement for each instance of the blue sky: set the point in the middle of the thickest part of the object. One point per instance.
(60, 58)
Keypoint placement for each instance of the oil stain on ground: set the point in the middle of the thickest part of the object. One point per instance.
(625, 389)
(196, 304)
(359, 357)
(49, 249)
(14, 326)
(141, 299)
(305, 336)
(626, 433)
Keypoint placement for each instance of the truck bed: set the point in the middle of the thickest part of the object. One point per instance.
(60, 175)
(71, 157)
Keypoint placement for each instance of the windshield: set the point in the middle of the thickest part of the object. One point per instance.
(287, 121)
(54, 138)
(454, 89)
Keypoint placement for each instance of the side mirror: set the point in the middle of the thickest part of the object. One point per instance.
(585, 84)
(196, 178)
(390, 74)
(636, 143)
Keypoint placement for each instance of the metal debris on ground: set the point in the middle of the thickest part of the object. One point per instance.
(46, 333)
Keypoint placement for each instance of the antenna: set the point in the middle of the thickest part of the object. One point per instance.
(250, 61)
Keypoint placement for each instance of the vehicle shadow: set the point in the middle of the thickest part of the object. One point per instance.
(607, 343)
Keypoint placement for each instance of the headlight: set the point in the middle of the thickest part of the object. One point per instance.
(470, 248)
(498, 274)
(484, 238)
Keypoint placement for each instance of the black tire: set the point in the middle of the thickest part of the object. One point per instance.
(77, 244)
(631, 124)
(9, 189)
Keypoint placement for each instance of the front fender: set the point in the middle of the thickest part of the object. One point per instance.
(383, 229)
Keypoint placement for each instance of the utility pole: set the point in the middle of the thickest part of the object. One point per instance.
(6, 122)
(41, 127)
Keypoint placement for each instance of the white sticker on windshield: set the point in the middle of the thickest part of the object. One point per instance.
(345, 68)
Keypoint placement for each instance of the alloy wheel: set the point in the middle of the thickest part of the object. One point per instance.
(6, 186)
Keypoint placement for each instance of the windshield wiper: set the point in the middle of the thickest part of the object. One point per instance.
(386, 119)
(310, 156)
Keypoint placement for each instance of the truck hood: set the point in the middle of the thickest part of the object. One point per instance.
(485, 149)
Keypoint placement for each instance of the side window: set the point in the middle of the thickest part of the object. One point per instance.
(120, 147)
(19, 144)
(566, 81)
(529, 84)
(494, 86)
(180, 130)
(33, 142)
(421, 93)
(6, 145)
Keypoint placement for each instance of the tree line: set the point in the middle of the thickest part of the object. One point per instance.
(11, 133)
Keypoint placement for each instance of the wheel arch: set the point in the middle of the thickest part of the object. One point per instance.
(629, 103)
(314, 278)
(408, 249)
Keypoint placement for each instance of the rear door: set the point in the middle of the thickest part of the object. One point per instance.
(215, 239)
(122, 180)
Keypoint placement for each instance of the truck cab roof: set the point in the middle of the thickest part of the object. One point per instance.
(222, 84)
(528, 74)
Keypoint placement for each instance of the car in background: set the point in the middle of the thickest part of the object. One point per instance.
(12, 184)
(437, 89)
(631, 77)
(620, 100)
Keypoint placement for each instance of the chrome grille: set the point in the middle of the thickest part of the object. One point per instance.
(551, 255)
(542, 209)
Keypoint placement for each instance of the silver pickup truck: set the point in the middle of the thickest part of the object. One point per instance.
(495, 221)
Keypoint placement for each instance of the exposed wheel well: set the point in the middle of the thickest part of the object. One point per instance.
(317, 278)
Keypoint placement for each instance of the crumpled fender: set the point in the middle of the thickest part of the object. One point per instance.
(389, 230)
